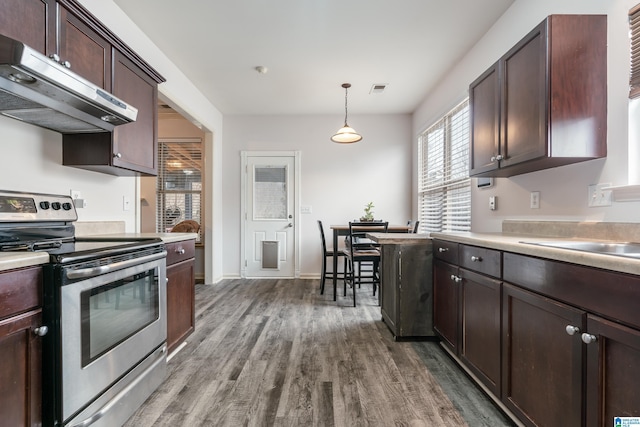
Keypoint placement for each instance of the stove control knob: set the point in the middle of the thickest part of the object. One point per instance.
(66, 206)
(55, 206)
(44, 205)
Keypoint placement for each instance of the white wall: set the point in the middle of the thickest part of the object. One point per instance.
(337, 180)
(32, 162)
(563, 190)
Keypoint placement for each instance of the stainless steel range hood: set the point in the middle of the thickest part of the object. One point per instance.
(40, 91)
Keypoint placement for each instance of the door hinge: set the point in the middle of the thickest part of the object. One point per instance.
(245, 263)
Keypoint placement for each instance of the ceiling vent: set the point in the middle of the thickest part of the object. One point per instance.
(377, 88)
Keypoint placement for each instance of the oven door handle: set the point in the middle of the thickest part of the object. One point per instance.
(84, 273)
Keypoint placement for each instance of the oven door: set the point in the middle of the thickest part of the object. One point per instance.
(109, 324)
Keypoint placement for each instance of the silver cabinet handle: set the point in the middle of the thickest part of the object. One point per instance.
(572, 329)
(118, 155)
(476, 258)
(41, 331)
(499, 157)
(180, 251)
(588, 338)
(456, 278)
(443, 250)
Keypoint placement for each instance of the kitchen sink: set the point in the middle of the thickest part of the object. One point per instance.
(624, 249)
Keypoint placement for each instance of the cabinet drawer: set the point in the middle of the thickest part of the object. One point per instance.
(446, 251)
(180, 251)
(482, 260)
(20, 290)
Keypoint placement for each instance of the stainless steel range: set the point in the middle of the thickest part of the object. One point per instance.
(104, 306)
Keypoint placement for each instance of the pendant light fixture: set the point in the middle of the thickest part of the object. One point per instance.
(346, 134)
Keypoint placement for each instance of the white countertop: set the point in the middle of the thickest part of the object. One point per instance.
(513, 243)
(11, 260)
(400, 238)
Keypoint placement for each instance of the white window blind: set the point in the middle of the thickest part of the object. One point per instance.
(179, 189)
(444, 191)
(634, 33)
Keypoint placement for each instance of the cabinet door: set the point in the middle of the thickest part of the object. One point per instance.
(484, 100)
(135, 144)
(180, 302)
(524, 111)
(541, 364)
(88, 53)
(445, 303)
(613, 369)
(28, 22)
(21, 370)
(480, 345)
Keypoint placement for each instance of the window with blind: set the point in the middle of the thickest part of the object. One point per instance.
(634, 32)
(179, 190)
(444, 189)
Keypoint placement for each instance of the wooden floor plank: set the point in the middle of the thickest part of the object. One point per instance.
(275, 352)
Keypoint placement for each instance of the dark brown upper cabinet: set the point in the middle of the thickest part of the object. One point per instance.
(68, 33)
(30, 21)
(544, 103)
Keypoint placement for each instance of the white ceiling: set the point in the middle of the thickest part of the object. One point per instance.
(311, 47)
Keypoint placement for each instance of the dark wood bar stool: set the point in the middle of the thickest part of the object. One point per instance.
(328, 254)
(361, 251)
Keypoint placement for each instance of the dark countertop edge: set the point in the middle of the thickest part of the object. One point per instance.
(513, 243)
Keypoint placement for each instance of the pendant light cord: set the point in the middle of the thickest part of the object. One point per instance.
(346, 89)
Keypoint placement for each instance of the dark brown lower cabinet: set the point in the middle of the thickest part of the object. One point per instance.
(406, 290)
(541, 363)
(445, 303)
(21, 347)
(21, 370)
(180, 292)
(613, 363)
(480, 347)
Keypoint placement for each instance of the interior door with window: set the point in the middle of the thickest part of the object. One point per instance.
(269, 242)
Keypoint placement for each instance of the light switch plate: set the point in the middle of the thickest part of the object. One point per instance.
(535, 200)
(492, 203)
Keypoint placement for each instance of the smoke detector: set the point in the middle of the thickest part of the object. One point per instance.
(377, 88)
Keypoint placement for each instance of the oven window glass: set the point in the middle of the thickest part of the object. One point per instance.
(114, 312)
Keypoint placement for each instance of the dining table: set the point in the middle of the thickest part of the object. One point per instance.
(343, 230)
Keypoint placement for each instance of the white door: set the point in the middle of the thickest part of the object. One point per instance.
(269, 226)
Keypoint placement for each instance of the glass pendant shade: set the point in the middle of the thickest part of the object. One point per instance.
(346, 134)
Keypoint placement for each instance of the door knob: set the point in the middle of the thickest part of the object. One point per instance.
(588, 338)
(289, 225)
(41, 331)
(572, 329)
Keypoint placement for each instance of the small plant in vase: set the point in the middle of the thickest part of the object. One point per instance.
(368, 212)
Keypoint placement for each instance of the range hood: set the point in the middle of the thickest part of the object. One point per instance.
(40, 91)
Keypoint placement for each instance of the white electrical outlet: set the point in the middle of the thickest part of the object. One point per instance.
(305, 209)
(75, 194)
(599, 196)
(126, 203)
(535, 200)
(492, 203)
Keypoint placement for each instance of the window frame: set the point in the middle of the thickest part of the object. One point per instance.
(444, 203)
(195, 159)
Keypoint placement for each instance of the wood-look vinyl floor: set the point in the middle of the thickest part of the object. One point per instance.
(277, 353)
